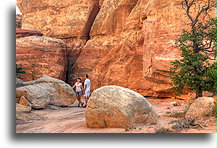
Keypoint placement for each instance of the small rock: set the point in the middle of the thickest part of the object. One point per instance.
(163, 130)
(176, 103)
(19, 82)
(24, 101)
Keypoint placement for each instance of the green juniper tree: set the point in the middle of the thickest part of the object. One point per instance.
(196, 68)
(19, 70)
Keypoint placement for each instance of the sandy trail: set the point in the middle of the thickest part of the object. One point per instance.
(72, 120)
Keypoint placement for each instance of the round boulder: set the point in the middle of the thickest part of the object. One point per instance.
(114, 106)
(201, 107)
(38, 95)
(46, 90)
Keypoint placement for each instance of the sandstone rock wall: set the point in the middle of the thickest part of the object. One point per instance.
(129, 43)
(25, 33)
(70, 20)
(104, 35)
(60, 19)
(132, 44)
(40, 56)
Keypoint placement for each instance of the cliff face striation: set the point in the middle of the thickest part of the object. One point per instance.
(59, 19)
(129, 43)
(39, 56)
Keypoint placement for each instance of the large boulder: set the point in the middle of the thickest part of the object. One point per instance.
(46, 90)
(114, 106)
(201, 107)
(40, 56)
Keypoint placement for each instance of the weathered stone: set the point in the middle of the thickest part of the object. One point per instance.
(129, 60)
(104, 35)
(90, 56)
(22, 108)
(37, 95)
(176, 103)
(112, 16)
(63, 95)
(24, 117)
(60, 19)
(201, 107)
(24, 101)
(132, 44)
(19, 82)
(74, 47)
(40, 56)
(53, 107)
(18, 21)
(25, 33)
(45, 91)
(114, 106)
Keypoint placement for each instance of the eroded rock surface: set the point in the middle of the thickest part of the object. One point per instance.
(40, 56)
(68, 20)
(60, 19)
(22, 108)
(201, 107)
(132, 44)
(114, 106)
(129, 43)
(45, 91)
(18, 21)
(24, 33)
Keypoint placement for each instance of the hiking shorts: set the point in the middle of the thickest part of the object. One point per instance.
(78, 92)
(87, 94)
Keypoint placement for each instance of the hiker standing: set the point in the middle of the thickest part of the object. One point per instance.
(78, 90)
(86, 89)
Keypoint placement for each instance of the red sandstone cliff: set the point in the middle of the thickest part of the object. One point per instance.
(129, 43)
(132, 44)
(39, 55)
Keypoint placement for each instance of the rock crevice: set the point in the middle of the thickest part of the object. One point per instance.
(71, 58)
(95, 10)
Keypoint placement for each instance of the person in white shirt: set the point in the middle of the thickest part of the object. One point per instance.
(86, 89)
(78, 91)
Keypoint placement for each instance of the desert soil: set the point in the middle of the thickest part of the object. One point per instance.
(72, 120)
